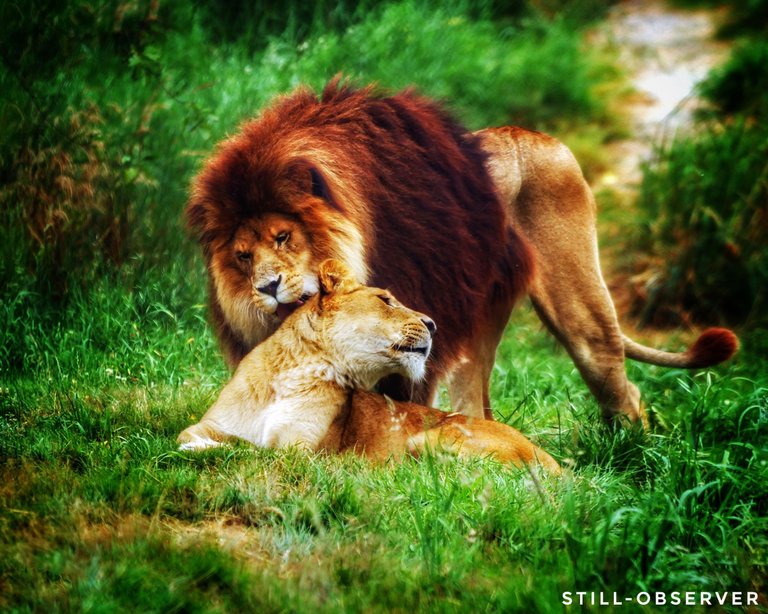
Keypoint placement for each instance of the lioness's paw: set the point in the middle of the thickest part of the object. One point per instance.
(200, 443)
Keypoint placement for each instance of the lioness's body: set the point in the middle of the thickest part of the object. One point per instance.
(379, 428)
(305, 385)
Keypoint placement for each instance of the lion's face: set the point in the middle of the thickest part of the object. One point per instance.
(368, 331)
(265, 271)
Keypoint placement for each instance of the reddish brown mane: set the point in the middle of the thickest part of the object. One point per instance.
(400, 170)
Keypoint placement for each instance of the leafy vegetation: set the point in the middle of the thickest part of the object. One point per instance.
(105, 352)
(705, 204)
(708, 233)
(740, 85)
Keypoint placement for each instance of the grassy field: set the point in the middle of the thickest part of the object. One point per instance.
(106, 354)
(101, 513)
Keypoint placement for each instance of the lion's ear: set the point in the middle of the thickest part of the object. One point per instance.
(311, 178)
(319, 186)
(335, 276)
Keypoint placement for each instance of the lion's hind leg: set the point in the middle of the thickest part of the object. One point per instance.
(568, 291)
(589, 331)
(549, 201)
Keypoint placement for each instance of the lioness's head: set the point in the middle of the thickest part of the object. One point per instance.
(366, 331)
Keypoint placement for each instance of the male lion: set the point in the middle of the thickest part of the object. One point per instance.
(305, 385)
(457, 225)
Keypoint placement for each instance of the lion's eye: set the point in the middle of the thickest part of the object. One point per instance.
(282, 238)
(243, 256)
(385, 299)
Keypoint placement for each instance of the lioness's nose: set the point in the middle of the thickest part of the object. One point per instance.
(271, 287)
(430, 324)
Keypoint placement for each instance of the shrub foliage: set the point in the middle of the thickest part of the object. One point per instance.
(704, 200)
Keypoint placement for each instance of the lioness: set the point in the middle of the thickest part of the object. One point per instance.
(306, 385)
(457, 225)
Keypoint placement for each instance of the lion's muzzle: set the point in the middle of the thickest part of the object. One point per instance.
(270, 288)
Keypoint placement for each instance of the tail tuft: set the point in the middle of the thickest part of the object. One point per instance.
(714, 345)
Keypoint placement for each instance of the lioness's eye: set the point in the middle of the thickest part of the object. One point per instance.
(244, 256)
(282, 237)
(385, 299)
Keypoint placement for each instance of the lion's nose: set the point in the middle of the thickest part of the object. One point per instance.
(271, 287)
(430, 324)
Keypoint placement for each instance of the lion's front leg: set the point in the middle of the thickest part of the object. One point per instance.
(468, 379)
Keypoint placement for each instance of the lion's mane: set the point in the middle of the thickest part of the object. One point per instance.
(391, 184)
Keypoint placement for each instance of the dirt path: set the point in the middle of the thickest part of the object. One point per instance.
(666, 52)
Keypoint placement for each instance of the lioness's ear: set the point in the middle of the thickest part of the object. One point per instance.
(335, 276)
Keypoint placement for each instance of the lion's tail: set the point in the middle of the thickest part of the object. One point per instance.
(714, 345)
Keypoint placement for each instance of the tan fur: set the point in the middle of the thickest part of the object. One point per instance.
(547, 199)
(305, 385)
(379, 428)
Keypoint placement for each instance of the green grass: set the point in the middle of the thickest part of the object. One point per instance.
(100, 512)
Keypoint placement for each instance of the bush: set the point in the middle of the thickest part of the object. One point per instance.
(704, 202)
(741, 84)
(72, 203)
(746, 17)
(69, 159)
(537, 75)
(252, 24)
